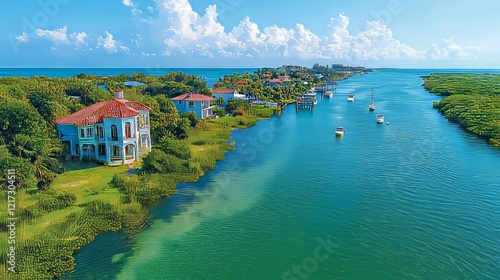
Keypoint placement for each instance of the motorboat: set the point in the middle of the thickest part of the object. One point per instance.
(339, 131)
(350, 98)
(328, 93)
(380, 119)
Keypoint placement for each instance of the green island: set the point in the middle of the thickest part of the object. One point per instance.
(62, 203)
(471, 100)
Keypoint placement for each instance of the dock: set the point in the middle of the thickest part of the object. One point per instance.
(305, 102)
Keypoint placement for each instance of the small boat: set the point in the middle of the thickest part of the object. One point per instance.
(350, 98)
(380, 119)
(310, 92)
(339, 131)
(315, 101)
(372, 105)
(328, 93)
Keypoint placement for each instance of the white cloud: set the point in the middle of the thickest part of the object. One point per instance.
(338, 42)
(186, 32)
(447, 49)
(57, 36)
(108, 43)
(23, 38)
(80, 40)
(173, 28)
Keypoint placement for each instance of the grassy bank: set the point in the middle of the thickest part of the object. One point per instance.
(472, 101)
(89, 199)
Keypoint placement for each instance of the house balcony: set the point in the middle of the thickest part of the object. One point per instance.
(131, 137)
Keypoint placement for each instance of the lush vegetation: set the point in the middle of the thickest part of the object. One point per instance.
(300, 79)
(62, 205)
(472, 100)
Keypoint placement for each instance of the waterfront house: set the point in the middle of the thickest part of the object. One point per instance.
(225, 94)
(242, 82)
(284, 78)
(275, 82)
(115, 131)
(194, 102)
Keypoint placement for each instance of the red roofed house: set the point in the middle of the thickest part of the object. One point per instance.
(274, 82)
(194, 102)
(242, 82)
(115, 131)
(284, 78)
(224, 94)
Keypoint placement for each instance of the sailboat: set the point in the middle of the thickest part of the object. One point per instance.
(372, 105)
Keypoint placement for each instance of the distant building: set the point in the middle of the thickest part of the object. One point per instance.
(285, 78)
(116, 131)
(133, 84)
(242, 82)
(194, 102)
(226, 94)
(275, 82)
(342, 72)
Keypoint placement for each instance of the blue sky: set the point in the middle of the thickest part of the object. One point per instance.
(257, 33)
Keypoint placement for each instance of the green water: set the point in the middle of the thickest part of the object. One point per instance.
(416, 199)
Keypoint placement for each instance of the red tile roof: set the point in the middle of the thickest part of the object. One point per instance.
(241, 82)
(193, 97)
(113, 109)
(275, 81)
(136, 105)
(223, 90)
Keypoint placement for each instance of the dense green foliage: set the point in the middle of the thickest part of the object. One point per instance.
(473, 101)
(55, 223)
(50, 253)
(29, 144)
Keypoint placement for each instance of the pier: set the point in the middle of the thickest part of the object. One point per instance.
(305, 102)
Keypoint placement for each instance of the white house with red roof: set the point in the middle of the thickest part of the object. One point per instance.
(116, 131)
(194, 102)
(285, 78)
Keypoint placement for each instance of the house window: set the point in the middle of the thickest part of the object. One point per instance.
(77, 149)
(128, 131)
(137, 123)
(90, 132)
(144, 141)
(82, 133)
(101, 131)
(102, 149)
(180, 101)
(114, 132)
(142, 120)
(191, 104)
(116, 151)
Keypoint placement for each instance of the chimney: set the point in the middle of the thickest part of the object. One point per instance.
(119, 93)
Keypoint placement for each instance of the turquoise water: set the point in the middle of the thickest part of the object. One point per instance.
(416, 199)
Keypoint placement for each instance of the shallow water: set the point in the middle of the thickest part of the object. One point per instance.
(416, 199)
